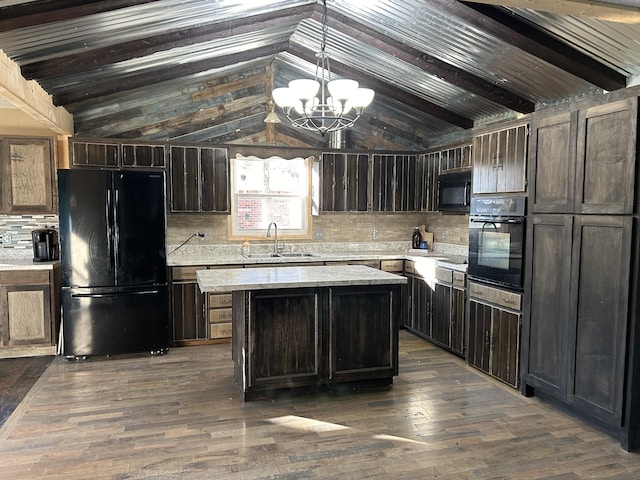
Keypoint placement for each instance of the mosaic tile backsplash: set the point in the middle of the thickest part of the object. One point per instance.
(15, 232)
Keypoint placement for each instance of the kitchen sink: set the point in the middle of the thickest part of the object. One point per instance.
(280, 255)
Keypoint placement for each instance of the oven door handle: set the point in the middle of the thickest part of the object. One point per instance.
(513, 221)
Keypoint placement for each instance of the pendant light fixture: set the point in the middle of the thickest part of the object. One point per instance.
(323, 105)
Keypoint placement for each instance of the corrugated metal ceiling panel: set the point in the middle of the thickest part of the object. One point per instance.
(614, 44)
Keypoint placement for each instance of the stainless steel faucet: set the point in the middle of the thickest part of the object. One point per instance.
(275, 241)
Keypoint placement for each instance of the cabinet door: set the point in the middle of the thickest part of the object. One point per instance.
(505, 346)
(600, 298)
(214, 180)
(285, 338)
(363, 332)
(458, 299)
(188, 315)
(135, 155)
(485, 148)
(606, 158)
(423, 306)
(25, 314)
(345, 182)
(553, 163)
(441, 323)
(479, 335)
(427, 178)
(383, 183)
(407, 302)
(512, 159)
(26, 176)
(548, 274)
(185, 179)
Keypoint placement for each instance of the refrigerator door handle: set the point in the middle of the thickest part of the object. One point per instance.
(116, 237)
(107, 215)
(114, 294)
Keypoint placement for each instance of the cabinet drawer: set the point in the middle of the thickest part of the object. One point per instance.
(220, 315)
(409, 267)
(444, 275)
(219, 300)
(220, 330)
(459, 278)
(391, 265)
(185, 274)
(509, 299)
(496, 296)
(24, 277)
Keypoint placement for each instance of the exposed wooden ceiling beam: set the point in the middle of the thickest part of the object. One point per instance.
(48, 11)
(537, 43)
(29, 97)
(620, 11)
(429, 64)
(521, 35)
(108, 87)
(391, 91)
(119, 52)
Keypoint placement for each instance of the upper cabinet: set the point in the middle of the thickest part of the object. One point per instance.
(398, 183)
(116, 154)
(345, 186)
(499, 161)
(26, 176)
(199, 179)
(584, 161)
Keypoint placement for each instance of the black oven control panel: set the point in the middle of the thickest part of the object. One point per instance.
(514, 206)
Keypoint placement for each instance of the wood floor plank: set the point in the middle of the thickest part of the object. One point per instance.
(180, 417)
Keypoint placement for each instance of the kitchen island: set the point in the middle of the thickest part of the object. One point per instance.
(310, 327)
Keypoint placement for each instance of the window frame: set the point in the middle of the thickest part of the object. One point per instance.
(305, 233)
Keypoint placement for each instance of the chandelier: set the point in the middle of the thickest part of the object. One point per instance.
(306, 104)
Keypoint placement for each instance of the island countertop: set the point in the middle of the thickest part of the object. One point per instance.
(264, 278)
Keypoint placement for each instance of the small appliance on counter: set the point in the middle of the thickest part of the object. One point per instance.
(45, 245)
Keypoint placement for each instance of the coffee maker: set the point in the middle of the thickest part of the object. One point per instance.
(45, 245)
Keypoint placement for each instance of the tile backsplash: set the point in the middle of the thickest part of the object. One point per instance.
(15, 230)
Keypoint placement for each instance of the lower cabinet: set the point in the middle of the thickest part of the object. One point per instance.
(434, 305)
(494, 332)
(198, 318)
(308, 337)
(29, 307)
(579, 344)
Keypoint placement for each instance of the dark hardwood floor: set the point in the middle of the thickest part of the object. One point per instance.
(17, 376)
(180, 417)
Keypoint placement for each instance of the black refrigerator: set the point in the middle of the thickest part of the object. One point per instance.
(113, 262)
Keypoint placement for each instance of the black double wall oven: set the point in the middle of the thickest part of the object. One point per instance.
(496, 241)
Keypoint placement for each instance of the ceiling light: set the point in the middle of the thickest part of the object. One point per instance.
(306, 104)
(272, 116)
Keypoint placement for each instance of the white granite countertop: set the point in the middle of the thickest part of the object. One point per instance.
(25, 264)
(262, 278)
(230, 255)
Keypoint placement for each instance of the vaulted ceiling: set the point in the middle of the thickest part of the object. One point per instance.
(203, 70)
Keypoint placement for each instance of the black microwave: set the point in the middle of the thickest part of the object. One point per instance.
(454, 191)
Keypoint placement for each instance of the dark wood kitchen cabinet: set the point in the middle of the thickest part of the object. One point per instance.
(398, 183)
(345, 182)
(27, 178)
(448, 323)
(311, 337)
(29, 307)
(578, 311)
(109, 153)
(189, 319)
(494, 332)
(583, 161)
(500, 160)
(199, 179)
(418, 313)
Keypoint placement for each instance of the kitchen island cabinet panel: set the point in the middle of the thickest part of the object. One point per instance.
(363, 333)
(285, 345)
